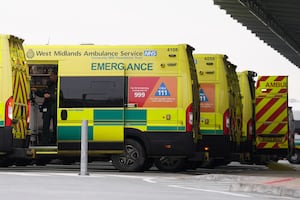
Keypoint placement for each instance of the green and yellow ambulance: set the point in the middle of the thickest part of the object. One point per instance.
(141, 102)
(220, 107)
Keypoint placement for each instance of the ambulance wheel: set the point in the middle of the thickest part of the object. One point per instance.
(132, 160)
(169, 164)
(295, 158)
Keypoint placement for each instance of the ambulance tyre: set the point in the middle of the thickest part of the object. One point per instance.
(295, 158)
(133, 160)
(169, 164)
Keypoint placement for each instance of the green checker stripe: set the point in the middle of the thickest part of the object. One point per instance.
(120, 123)
(165, 128)
(1, 123)
(136, 115)
(72, 133)
(211, 132)
(118, 115)
(108, 115)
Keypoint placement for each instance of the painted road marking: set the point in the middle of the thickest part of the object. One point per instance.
(212, 191)
(279, 181)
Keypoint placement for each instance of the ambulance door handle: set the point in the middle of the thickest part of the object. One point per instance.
(131, 105)
(64, 115)
(209, 72)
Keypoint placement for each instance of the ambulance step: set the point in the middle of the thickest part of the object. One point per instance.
(44, 150)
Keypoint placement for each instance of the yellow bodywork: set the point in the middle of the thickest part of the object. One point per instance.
(156, 98)
(219, 92)
(214, 92)
(248, 100)
(272, 112)
(14, 83)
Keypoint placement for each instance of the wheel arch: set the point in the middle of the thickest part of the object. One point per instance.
(139, 136)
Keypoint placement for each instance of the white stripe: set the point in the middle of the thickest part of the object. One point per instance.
(212, 191)
(149, 180)
(23, 174)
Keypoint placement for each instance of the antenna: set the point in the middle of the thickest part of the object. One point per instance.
(48, 40)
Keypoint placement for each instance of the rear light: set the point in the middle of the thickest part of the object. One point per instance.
(28, 112)
(226, 122)
(250, 129)
(189, 118)
(9, 112)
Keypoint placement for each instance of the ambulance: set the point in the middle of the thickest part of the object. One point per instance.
(141, 103)
(272, 116)
(14, 100)
(294, 158)
(220, 108)
(293, 139)
(247, 86)
(294, 126)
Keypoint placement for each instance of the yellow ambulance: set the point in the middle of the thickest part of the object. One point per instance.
(14, 100)
(247, 86)
(141, 102)
(220, 107)
(272, 118)
(266, 132)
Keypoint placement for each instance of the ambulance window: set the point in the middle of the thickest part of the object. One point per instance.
(92, 92)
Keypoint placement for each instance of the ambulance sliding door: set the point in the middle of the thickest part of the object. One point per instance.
(98, 99)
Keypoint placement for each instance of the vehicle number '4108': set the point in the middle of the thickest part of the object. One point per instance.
(172, 49)
(139, 94)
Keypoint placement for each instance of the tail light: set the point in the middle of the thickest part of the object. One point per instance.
(189, 118)
(250, 129)
(226, 122)
(28, 112)
(9, 112)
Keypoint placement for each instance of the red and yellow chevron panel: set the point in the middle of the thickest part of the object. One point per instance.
(272, 112)
(20, 89)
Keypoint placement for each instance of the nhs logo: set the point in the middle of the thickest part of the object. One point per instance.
(150, 53)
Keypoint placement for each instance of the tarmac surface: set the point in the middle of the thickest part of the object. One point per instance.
(276, 179)
(282, 179)
(276, 186)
